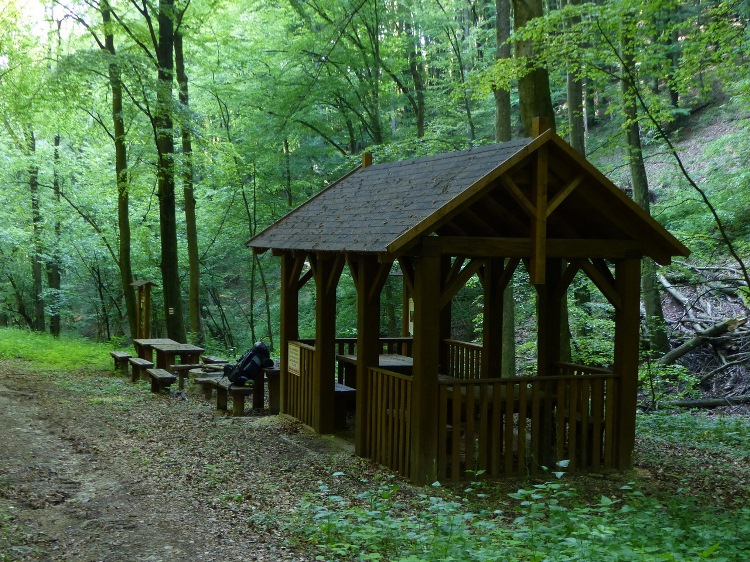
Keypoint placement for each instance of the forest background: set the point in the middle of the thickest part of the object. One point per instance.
(148, 140)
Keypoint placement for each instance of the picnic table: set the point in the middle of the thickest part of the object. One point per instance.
(402, 364)
(167, 353)
(143, 346)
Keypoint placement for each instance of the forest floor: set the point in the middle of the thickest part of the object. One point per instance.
(93, 468)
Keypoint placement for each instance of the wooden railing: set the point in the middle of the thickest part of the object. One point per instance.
(298, 388)
(513, 427)
(464, 359)
(389, 425)
(348, 346)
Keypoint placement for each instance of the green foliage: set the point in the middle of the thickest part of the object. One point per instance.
(705, 432)
(549, 523)
(667, 381)
(53, 354)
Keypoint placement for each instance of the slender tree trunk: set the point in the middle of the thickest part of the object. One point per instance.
(649, 285)
(166, 174)
(53, 267)
(502, 97)
(188, 184)
(415, 68)
(36, 223)
(575, 104)
(503, 134)
(122, 178)
(533, 88)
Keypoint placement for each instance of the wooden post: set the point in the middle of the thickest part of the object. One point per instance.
(549, 320)
(492, 318)
(539, 220)
(627, 339)
(445, 318)
(539, 125)
(143, 308)
(369, 282)
(326, 272)
(289, 319)
(424, 381)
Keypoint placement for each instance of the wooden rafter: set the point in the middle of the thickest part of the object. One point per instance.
(454, 284)
(600, 276)
(407, 269)
(384, 269)
(561, 195)
(518, 195)
(504, 278)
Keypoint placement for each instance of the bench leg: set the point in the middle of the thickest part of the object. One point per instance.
(135, 374)
(274, 389)
(221, 399)
(208, 391)
(259, 395)
(238, 404)
(181, 379)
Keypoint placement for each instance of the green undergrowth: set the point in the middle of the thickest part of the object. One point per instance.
(729, 434)
(64, 353)
(545, 522)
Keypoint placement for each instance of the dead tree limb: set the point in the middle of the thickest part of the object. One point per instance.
(717, 329)
(709, 402)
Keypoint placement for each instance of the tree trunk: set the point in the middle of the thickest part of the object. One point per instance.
(502, 97)
(716, 330)
(53, 266)
(36, 223)
(575, 103)
(658, 339)
(533, 88)
(166, 175)
(708, 402)
(121, 174)
(188, 183)
(503, 134)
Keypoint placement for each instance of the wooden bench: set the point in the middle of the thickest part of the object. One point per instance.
(138, 367)
(160, 379)
(121, 360)
(344, 400)
(225, 389)
(182, 370)
(213, 360)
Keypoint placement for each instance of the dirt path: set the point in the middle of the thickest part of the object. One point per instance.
(88, 478)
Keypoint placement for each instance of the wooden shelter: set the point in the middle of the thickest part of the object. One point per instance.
(445, 218)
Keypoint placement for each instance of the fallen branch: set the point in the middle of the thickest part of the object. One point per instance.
(709, 402)
(717, 329)
(707, 376)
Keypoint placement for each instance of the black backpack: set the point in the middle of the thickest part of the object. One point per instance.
(250, 366)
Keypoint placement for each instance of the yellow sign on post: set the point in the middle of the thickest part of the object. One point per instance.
(293, 359)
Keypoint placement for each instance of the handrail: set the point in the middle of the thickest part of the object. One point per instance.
(579, 367)
(521, 380)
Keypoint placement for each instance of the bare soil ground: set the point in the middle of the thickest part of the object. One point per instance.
(127, 476)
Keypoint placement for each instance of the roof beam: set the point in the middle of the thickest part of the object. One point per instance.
(521, 247)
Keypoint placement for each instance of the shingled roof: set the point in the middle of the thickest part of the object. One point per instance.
(385, 207)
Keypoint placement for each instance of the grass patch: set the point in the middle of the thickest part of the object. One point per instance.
(729, 435)
(64, 353)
